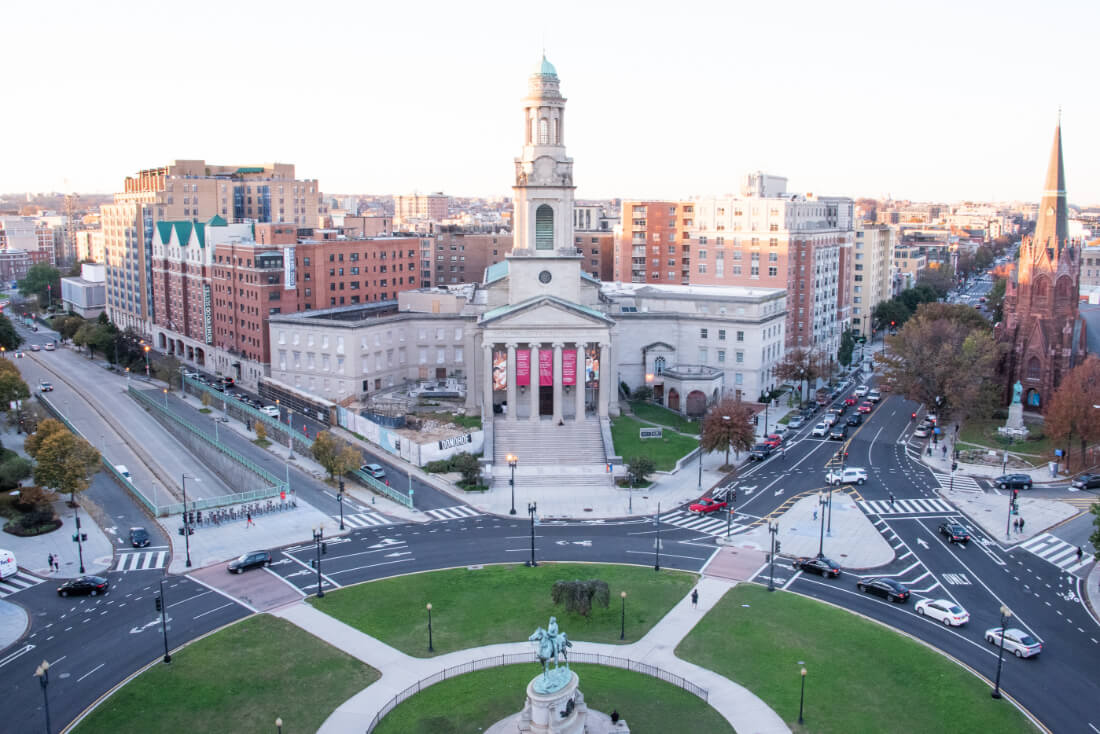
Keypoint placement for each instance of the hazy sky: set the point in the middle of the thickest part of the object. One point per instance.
(930, 100)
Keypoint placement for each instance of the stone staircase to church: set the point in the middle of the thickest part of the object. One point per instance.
(568, 455)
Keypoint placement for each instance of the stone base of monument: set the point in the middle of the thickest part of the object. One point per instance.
(562, 711)
(1014, 426)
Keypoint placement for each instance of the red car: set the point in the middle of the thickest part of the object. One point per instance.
(773, 440)
(865, 407)
(850, 401)
(707, 504)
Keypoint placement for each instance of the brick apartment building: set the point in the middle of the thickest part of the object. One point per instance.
(452, 257)
(652, 244)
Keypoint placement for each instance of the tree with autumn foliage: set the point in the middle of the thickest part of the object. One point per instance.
(1070, 413)
(727, 426)
(801, 366)
(946, 358)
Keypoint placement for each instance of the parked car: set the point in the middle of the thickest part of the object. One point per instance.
(139, 537)
(374, 470)
(861, 391)
(796, 422)
(45, 386)
(91, 585)
(773, 440)
(954, 532)
(820, 566)
(1013, 481)
(887, 588)
(1018, 642)
(707, 504)
(855, 419)
(820, 430)
(922, 432)
(1086, 481)
(874, 396)
(49, 346)
(848, 475)
(270, 410)
(865, 407)
(760, 451)
(839, 432)
(943, 610)
(35, 347)
(254, 559)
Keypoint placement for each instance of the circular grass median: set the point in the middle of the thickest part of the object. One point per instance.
(492, 604)
(861, 676)
(475, 701)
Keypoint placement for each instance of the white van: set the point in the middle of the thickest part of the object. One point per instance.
(8, 566)
(121, 469)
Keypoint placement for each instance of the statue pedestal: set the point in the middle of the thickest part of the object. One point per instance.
(1014, 426)
(552, 713)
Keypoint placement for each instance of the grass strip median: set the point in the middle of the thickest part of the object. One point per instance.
(239, 679)
(475, 701)
(861, 676)
(483, 606)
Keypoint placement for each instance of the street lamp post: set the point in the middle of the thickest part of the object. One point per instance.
(700, 487)
(43, 674)
(773, 528)
(322, 548)
(622, 618)
(186, 527)
(430, 647)
(821, 541)
(290, 431)
(1006, 614)
(829, 505)
(802, 697)
(162, 606)
(146, 360)
(532, 508)
(279, 725)
(166, 398)
(340, 501)
(79, 538)
(512, 461)
(657, 545)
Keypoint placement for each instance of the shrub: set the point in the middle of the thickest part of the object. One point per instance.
(13, 470)
(645, 392)
(578, 596)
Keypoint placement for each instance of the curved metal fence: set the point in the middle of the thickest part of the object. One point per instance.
(518, 658)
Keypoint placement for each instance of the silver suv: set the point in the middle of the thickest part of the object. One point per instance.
(848, 475)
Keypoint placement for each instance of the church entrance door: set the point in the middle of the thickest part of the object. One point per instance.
(546, 400)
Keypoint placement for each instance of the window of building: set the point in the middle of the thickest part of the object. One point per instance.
(702, 355)
(721, 356)
(702, 333)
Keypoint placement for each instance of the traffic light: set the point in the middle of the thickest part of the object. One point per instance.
(891, 324)
(777, 546)
(160, 604)
(733, 495)
(341, 485)
(756, 420)
(324, 549)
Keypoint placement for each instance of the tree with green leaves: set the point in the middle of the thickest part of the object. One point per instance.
(847, 346)
(579, 596)
(727, 426)
(9, 337)
(893, 312)
(800, 366)
(12, 388)
(941, 279)
(65, 463)
(42, 281)
(467, 464)
(639, 468)
(46, 428)
(330, 453)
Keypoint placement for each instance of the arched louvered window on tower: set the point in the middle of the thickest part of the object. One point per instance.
(544, 131)
(544, 227)
(557, 135)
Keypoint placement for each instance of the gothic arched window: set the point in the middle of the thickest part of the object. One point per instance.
(544, 131)
(1033, 368)
(659, 365)
(544, 227)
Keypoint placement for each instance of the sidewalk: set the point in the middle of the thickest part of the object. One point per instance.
(743, 709)
(31, 553)
(990, 511)
(939, 463)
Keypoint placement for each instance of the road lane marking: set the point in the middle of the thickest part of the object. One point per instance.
(78, 680)
(211, 611)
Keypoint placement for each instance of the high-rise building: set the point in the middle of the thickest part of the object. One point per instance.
(871, 280)
(412, 208)
(653, 244)
(190, 190)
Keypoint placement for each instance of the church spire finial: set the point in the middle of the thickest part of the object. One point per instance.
(1052, 226)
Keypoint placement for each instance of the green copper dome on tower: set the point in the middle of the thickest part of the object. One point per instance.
(546, 68)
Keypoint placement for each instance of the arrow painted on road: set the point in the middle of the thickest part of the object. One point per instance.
(21, 651)
(748, 490)
(304, 572)
(778, 492)
(586, 543)
(280, 563)
(922, 543)
(400, 553)
(385, 542)
(147, 625)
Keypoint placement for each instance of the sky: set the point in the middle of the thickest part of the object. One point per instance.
(943, 101)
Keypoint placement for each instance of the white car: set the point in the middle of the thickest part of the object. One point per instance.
(943, 610)
(861, 391)
(922, 432)
(874, 396)
(829, 419)
(820, 430)
(270, 410)
(849, 475)
(374, 470)
(1018, 642)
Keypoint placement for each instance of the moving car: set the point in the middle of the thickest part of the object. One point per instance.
(820, 430)
(820, 566)
(773, 440)
(1013, 481)
(1086, 481)
(270, 410)
(861, 391)
(830, 418)
(839, 432)
(887, 588)
(91, 585)
(943, 610)
(139, 537)
(1020, 643)
(796, 422)
(35, 348)
(44, 386)
(954, 532)
(850, 400)
(874, 396)
(855, 419)
(707, 504)
(49, 347)
(254, 559)
(849, 475)
(374, 470)
(760, 451)
(865, 407)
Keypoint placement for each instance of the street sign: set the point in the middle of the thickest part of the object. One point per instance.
(644, 433)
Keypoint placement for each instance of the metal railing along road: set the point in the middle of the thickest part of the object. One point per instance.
(394, 494)
(248, 410)
(520, 658)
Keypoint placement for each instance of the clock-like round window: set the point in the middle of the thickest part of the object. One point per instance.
(544, 277)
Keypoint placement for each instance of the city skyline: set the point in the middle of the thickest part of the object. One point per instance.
(952, 109)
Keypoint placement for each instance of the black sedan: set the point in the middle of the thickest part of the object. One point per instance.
(954, 532)
(1086, 481)
(1013, 481)
(255, 559)
(139, 537)
(760, 451)
(855, 419)
(91, 585)
(820, 566)
(888, 589)
(838, 433)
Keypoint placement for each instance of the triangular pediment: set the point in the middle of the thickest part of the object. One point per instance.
(545, 311)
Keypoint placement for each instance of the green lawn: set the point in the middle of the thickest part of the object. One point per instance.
(239, 680)
(494, 604)
(665, 451)
(463, 421)
(862, 677)
(663, 416)
(984, 433)
(473, 702)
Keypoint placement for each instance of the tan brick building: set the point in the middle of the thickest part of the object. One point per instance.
(653, 244)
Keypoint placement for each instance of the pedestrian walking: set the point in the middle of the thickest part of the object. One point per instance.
(945, 451)
(891, 500)
(49, 559)
(1021, 525)
(56, 563)
(815, 514)
(694, 598)
(248, 520)
(1016, 524)
(1079, 553)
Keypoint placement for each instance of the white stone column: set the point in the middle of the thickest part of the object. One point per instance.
(533, 388)
(557, 382)
(511, 382)
(578, 388)
(487, 382)
(605, 377)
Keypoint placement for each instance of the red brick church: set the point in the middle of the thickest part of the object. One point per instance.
(1041, 324)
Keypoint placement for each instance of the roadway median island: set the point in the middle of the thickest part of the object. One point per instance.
(492, 604)
(861, 676)
(238, 679)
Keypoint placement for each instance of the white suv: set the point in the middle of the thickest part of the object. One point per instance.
(861, 391)
(850, 475)
(820, 430)
(874, 396)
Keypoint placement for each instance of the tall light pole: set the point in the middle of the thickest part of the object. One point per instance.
(79, 538)
(147, 361)
(802, 697)
(622, 618)
(322, 548)
(290, 431)
(829, 504)
(657, 545)
(821, 542)
(166, 398)
(186, 526)
(340, 501)
(773, 528)
(512, 461)
(532, 508)
(430, 647)
(43, 674)
(1006, 614)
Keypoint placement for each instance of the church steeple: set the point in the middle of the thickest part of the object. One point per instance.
(1052, 227)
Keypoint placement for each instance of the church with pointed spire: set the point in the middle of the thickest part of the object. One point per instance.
(1042, 327)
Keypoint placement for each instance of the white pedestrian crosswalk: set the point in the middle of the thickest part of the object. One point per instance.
(713, 524)
(141, 560)
(362, 520)
(452, 513)
(18, 582)
(906, 507)
(960, 484)
(1057, 551)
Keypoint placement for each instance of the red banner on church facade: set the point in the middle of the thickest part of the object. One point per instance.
(546, 367)
(523, 366)
(569, 367)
